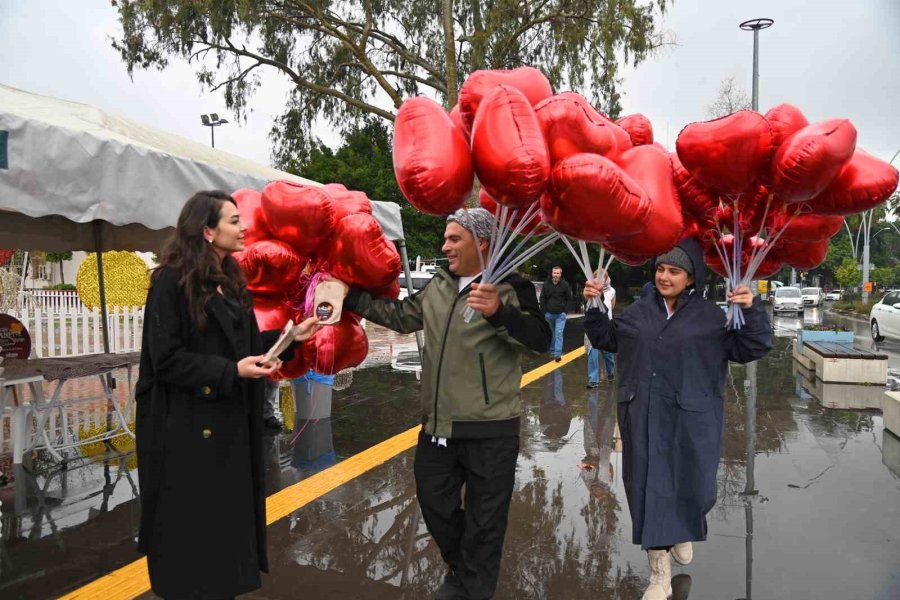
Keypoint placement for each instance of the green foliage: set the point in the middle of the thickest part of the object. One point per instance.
(886, 276)
(356, 58)
(57, 257)
(364, 163)
(854, 306)
(62, 286)
(848, 274)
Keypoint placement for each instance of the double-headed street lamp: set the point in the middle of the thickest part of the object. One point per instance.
(212, 121)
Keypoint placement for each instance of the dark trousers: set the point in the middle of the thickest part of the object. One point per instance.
(471, 537)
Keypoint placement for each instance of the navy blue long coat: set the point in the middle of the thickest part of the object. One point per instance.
(671, 374)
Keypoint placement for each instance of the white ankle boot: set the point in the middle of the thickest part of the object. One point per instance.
(683, 553)
(660, 587)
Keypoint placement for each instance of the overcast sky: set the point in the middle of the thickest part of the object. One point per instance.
(832, 58)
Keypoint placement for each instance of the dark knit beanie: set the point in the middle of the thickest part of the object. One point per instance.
(677, 258)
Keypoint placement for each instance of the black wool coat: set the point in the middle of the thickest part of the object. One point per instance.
(199, 433)
(671, 376)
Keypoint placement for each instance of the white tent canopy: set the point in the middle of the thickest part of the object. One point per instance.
(75, 178)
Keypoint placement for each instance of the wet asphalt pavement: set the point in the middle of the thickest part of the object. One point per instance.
(809, 499)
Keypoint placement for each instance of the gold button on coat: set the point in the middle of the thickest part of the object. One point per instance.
(207, 433)
(206, 390)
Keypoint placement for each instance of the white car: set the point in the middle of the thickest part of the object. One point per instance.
(834, 295)
(812, 296)
(788, 299)
(884, 318)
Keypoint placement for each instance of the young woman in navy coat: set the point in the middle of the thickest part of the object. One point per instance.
(199, 422)
(673, 350)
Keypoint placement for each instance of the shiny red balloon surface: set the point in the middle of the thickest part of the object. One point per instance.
(508, 148)
(432, 162)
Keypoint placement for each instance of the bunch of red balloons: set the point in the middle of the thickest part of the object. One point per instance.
(295, 235)
(773, 188)
(594, 179)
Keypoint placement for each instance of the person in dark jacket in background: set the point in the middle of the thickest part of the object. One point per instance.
(673, 350)
(200, 412)
(555, 295)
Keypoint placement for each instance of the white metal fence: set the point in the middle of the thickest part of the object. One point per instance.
(76, 333)
(52, 301)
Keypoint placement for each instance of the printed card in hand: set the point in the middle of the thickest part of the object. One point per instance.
(281, 344)
(329, 299)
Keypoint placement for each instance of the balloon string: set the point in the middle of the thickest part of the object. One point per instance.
(530, 214)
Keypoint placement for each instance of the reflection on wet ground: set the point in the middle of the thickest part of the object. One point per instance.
(809, 500)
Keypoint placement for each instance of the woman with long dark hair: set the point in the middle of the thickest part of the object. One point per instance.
(200, 412)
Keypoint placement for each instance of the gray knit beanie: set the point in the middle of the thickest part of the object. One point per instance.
(677, 258)
(474, 219)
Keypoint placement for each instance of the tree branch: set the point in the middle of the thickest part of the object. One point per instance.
(304, 83)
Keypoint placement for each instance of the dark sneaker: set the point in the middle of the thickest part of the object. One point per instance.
(557, 358)
(592, 384)
(451, 589)
(272, 424)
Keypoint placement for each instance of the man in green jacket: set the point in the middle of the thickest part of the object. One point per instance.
(471, 405)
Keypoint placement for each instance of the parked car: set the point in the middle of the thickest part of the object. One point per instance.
(884, 318)
(834, 295)
(812, 296)
(788, 299)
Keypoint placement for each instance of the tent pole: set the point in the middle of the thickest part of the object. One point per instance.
(401, 246)
(98, 248)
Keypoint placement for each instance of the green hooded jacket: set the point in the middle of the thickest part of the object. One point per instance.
(471, 372)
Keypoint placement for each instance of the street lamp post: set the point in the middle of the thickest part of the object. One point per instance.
(755, 25)
(212, 121)
(867, 238)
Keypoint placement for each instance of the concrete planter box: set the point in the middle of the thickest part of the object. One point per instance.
(802, 359)
(890, 408)
(848, 370)
(808, 335)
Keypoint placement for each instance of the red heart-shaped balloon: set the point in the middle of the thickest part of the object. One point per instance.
(696, 198)
(347, 202)
(639, 129)
(803, 255)
(271, 267)
(508, 148)
(863, 183)
(528, 80)
(571, 125)
(810, 159)
(337, 347)
(432, 162)
(592, 199)
(727, 154)
(249, 203)
(652, 170)
(299, 215)
(785, 120)
(271, 312)
(360, 254)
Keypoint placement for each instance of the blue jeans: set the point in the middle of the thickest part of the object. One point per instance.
(557, 324)
(594, 364)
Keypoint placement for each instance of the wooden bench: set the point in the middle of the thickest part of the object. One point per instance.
(842, 363)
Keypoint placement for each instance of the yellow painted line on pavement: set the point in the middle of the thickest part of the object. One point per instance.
(132, 580)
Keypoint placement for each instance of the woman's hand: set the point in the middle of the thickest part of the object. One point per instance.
(741, 296)
(592, 289)
(485, 298)
(307, 329)
(251, 367)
